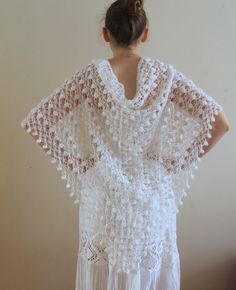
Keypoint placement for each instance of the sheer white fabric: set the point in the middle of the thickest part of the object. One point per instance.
(128, 165)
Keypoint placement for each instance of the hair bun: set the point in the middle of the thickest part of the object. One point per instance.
(133, 6)
(126, 21)
(138, 5)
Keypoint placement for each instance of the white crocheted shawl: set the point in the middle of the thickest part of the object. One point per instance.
(87, 122)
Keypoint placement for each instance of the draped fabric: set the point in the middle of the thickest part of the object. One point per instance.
(184, 131)
(128, 164)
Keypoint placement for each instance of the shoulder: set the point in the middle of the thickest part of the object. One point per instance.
(163, 69)
(82, 73)
(156, 61)
(160, 65)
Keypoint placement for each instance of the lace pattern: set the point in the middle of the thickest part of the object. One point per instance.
(162, 254)
(54, 125)
(183, 131)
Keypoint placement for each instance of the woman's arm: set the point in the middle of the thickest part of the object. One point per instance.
(219, 128)
(195, 124)
(57, 125)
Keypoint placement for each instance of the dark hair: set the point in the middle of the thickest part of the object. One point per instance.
(126, 21)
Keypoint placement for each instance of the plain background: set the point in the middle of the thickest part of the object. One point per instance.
(43, 42)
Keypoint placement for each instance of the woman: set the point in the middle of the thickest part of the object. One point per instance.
(126, 134)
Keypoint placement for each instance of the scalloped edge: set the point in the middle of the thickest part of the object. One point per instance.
(72, 180)
(194, 168)
(74, 194)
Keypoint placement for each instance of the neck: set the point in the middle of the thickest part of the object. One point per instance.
(125, 52)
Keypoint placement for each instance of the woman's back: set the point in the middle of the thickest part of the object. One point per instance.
(126, 69)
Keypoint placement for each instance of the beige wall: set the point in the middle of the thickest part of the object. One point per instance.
(44, 41)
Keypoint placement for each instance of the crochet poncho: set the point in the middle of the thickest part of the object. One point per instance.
(127, 164)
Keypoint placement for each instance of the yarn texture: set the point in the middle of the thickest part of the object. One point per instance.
(128, 165)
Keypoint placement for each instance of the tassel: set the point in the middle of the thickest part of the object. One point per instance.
(209, 135)
(76, 201)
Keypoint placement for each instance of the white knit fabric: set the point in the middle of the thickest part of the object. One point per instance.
(127, 163)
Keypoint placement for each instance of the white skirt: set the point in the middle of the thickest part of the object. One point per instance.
(92, 276)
